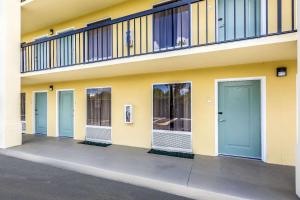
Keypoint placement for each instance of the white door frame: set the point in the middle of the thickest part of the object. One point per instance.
(263, 112)
(33, 110)
(57, 110)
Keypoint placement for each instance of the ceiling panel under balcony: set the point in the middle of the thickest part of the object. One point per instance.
(39, 14)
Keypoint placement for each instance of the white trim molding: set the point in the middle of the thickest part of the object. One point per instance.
(263, 112)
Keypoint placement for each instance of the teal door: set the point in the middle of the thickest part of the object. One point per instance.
(240, 119)
(66, 113)
(41, 113)
(245, 24)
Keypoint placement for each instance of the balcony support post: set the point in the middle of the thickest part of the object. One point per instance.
(10, 125)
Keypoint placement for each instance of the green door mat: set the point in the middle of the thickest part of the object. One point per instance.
(172, 154)
(95, 144)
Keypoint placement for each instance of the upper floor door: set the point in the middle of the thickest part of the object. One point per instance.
(238, 19)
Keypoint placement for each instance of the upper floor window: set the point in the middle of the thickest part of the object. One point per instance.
(99, 107)
(172, 107)
(172, 28)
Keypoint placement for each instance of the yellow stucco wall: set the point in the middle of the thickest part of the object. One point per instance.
(137, 90)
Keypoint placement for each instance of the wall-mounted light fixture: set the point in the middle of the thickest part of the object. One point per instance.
(51, 32)
(51, 88)
(281, 71)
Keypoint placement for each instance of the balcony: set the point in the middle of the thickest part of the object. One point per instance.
(173, 27)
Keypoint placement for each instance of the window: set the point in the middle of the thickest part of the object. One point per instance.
(171, 28)
(23, 109)
(100, 43)
(99, 107)
(172, 107)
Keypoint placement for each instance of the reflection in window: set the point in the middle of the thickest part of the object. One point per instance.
(171, 28)
(99, 107)
(100, 43)
(172, 107)
(65, 50)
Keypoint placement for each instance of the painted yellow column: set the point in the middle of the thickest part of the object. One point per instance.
(298, 106)
(10, 126)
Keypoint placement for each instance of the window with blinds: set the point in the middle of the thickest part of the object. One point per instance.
(99, 107)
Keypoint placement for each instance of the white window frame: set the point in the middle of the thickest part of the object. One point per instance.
(86, 93)
(176, 46)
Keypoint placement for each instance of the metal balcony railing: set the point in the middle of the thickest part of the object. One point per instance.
(169, 27)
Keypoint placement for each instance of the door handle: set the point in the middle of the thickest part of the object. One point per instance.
(222, 120)
(220, 19)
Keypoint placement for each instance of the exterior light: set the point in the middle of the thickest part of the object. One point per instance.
(281, 71)
(51, 32)
(51, 87)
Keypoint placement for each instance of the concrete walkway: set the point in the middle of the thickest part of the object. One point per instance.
(201, 178)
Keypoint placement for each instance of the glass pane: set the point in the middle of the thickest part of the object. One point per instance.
(161, 107)
(172, 107)
(99, 107)
(171, 28)
(182, 107)
(181, 26)
(100, 43)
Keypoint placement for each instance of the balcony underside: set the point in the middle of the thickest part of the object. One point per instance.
(35, 13)
(266, 49)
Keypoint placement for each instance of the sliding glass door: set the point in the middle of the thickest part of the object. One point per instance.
(172, 28)
(172, 107)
